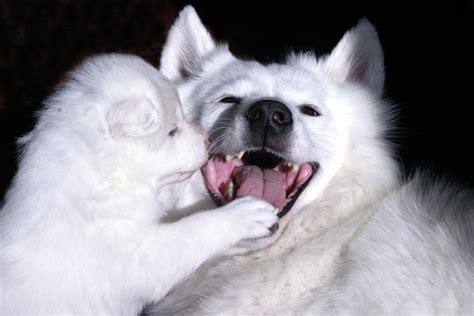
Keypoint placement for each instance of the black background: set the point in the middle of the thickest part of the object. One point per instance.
(426, 46)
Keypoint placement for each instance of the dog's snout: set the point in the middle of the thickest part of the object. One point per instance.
(270, 116)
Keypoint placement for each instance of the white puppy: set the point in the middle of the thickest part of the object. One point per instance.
(81, 229)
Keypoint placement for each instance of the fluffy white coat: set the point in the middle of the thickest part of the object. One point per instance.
(358, 240)
(82, 230)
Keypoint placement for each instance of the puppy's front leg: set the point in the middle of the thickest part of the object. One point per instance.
(175, 250)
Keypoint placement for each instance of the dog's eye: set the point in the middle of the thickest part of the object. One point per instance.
(173, 132)
(230, 99)
(309, 110)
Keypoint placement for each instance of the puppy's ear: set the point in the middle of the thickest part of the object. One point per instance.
(358, 57)
(133, 117)
(187, 43)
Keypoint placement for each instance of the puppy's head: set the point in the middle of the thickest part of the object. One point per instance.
(143, 124)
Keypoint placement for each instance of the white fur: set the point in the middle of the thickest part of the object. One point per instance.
(82, 229)
(358, 240)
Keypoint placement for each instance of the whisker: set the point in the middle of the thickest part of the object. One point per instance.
(216, 143)
(217, 129)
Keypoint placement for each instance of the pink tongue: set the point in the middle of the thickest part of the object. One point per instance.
(266, 184)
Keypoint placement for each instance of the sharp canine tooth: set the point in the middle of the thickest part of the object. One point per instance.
(240, 154)
(295, 167)
(228, 158)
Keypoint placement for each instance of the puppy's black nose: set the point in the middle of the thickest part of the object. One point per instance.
(270, 116)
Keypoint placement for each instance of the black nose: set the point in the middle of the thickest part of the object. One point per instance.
(269, 116)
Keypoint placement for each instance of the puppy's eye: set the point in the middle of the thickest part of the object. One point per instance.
(230, 99)
(309, 110)
(173, 132)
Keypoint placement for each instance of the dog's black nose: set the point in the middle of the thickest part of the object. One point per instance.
(270, 116)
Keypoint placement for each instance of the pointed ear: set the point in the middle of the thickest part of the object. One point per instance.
(358, 57)
(133, 117)
(187, 43)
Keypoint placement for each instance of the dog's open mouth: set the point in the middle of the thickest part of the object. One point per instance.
(257, 173)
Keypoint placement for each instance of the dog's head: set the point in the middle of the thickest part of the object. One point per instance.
(278, 131)
(141, 117)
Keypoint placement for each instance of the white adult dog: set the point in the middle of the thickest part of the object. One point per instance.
(81, 230)
(308, 135)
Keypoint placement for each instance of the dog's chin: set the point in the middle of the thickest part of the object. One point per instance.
(258, 173)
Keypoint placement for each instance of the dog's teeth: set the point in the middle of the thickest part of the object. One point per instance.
(229, 158)
(276, 211)
(293, 167)
(230, 190)
(240, 154)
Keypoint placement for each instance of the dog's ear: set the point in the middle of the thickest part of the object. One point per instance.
(133, 117)
(358, 57)
(187, 43)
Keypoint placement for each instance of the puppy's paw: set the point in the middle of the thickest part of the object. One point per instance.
(250, 217)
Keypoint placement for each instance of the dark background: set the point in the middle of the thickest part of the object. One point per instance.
(426, 45)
